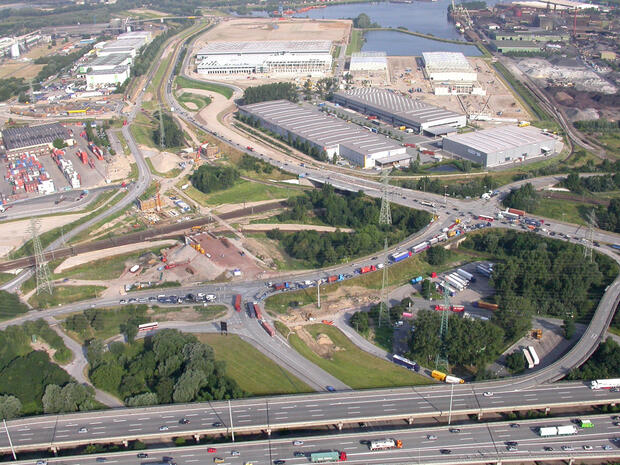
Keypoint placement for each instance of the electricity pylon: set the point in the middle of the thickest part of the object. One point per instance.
(42, 271)
(385, 217)
(441, 361)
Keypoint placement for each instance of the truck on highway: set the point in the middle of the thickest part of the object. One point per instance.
(385, 444)
(327, 457)
(605, 383)
(438, 375)
(564, 430)
(397, 257)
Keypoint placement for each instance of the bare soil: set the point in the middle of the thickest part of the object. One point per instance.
(322, 345)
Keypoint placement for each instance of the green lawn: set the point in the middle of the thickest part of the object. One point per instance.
(254, 372)
(565, 210)
(186, 83)
(143, 134)
(65, 295)
(243, 191)
(198, 100)
(173, 173)
(356, 42)
(398, 274)
(353, 366)
(159, 74)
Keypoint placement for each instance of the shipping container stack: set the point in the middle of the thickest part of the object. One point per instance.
(26, 173)
(66, 166)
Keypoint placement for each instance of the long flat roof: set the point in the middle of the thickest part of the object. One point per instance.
(113, 59)
(446, 61)
(267, 47)
(399, 106)
(29, 136)
(500, 138)
(327, 131)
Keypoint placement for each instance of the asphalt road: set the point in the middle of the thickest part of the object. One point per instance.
(292, 411)
(478, 443)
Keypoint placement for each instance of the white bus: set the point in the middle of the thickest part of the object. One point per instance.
(534, 355)
(605, 383)
(148, 327)
(528, 358)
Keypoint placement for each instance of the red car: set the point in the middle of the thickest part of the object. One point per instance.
(212, 449)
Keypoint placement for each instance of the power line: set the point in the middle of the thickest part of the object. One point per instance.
(385, 218)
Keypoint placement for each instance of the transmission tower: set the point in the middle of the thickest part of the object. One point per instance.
(587, 250)
(42, 271)
(385, 217)
(442, 360)
(161, 127)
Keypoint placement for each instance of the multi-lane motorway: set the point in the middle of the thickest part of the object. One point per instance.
(404, 405)
(518, 441)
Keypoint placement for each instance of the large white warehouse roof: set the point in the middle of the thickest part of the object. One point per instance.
(501, 138)
(446, 61)
(267, 47)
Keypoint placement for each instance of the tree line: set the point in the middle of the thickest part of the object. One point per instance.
(266, 92)
(581, 184)
(55, 64)
(11, 87)
(351, 210)
(168, 367)
(210, 178)
(524, 198)
(598, 125)
(473, 188)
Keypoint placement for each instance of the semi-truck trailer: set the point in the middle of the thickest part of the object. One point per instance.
(534, 355)
(487, 305)
(327, 457)
(564, 430)
(384, 444)
(466, 275)
(514, 211)
(238, 302)
(438, 375)
(397, 257)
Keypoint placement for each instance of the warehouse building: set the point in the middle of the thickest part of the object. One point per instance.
(107, 77)
(398, 110)
(368, 61)
(451, 74)
(501, 145)
(448, 66)
(106, 62)
(507, 46)
(33, 140)
(274, 57)
(325, 133)
(129, 47)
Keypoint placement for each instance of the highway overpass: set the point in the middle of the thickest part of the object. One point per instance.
(477, 443)
(286, 412)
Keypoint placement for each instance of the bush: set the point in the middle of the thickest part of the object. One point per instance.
(569, 328)
(209, 178)
(516, 362)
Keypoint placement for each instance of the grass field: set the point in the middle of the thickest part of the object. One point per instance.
(186, 83)
(353, 366)
(159, 74)
(398, 274)
(243, 191)
(173, 173)
(196, 99)
(356, 42)
(10, 306)
(565, 210)
(65, 295)
(254, 372)
(142, 131)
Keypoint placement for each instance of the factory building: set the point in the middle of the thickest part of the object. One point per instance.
(106, 62)
(368, 61)
(326, 133)
(501, 145)
(507, 46)
(106, 77)
(451, 74)
(448, 66)
(33, 140)
(274, 57)
(129, 47)
(398, 110)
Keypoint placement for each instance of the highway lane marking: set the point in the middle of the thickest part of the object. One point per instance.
(316, 410)
(135, 429)
(188, 455)
(191, 415)
(390, 410)
(59, 436)
(116, 420)
(136, 424)
(95, 422)
(318, 415)
(98, 427)
(143, 419)
(168, 416)
(99, 432)
(196, 460)
(243, 416)
(243, 421)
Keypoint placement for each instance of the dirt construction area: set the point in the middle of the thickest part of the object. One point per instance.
(498, 97)
(272, 29)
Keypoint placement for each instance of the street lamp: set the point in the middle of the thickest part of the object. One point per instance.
(450, 412)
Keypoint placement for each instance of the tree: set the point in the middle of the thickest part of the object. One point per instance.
(437, 255)
(274, 91)
(209, 178)
(22, 97)
(427, 288)
(173, 135)
(59, 143)
(142, 400)
(107, 377)
(569, 328)
(359, 321)
(10, 407)
(515, 362)
(187, 386)
(524, 198)
(363, 22)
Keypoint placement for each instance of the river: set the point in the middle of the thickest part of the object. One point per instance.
(418, 16)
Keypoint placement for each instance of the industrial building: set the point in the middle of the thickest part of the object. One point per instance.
(326, 133)
(33, 140)
(532, 36)
(398, 110)
(307, 57)
(501, 145)
(507, 46)
(129, 47)
(368, 61)
(106, 62)
(106, 77)
(451, 74)
(448, 66)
